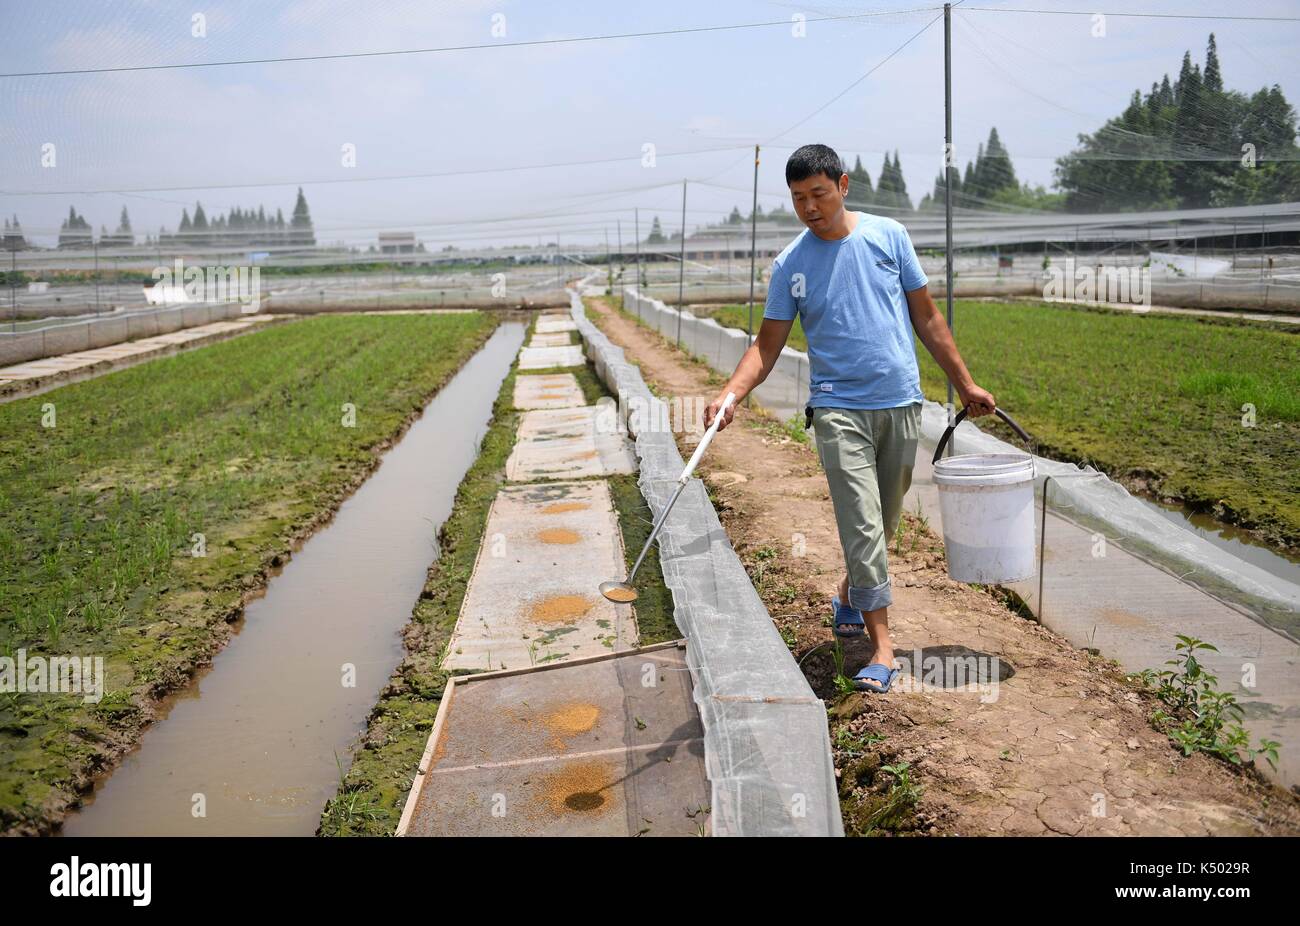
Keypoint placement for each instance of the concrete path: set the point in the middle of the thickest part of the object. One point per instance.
(541, 358)
(552, 324)
(565, 443)
(533, 597)
(570, 731)
(35, 373)
(558, 339)
(558, 390)
(610, 746)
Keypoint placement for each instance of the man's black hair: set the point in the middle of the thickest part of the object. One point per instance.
(811, 160)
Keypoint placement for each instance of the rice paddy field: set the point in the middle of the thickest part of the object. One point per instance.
(1202, 411)
(140, 509)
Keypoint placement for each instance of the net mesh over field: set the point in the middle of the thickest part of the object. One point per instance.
(767, 749)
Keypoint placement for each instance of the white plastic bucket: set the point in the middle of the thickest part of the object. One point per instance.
(986, 501)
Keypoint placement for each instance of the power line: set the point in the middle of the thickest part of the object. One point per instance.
(998, 9)
(449, 48)
(879, 64)
(424, 176)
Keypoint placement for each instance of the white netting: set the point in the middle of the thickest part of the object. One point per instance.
(767, 747)
(1095, 502)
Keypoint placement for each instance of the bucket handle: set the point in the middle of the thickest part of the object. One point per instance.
(943, 441)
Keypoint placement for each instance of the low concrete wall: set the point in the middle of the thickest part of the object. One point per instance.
(112, 329)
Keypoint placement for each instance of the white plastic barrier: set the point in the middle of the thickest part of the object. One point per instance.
(766, 743)
(784, 392)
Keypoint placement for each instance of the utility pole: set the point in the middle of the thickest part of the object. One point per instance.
(609, 262)
(636, 217)
(1261, 247)
(681, 270)
(753, 256)
(947, 181)
(619, 228)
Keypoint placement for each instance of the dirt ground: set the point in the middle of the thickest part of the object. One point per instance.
(1062, 745)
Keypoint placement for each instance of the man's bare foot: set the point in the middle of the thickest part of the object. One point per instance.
(883, 655)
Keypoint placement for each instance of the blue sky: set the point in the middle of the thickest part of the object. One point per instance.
(264, 129)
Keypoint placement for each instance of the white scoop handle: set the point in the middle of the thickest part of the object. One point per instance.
(708, 436)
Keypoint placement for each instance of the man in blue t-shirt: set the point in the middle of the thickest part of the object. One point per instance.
(855, 283)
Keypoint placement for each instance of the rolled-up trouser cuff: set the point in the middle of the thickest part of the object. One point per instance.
(869, 599)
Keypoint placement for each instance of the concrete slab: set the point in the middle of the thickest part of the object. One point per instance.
(610, 746)
(564, 443)
(551, 390)
(558, 339)
(551, 325)
(102, 359)
(539, 358)
(533, 596)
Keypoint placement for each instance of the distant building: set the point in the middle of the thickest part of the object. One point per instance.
(397, 242)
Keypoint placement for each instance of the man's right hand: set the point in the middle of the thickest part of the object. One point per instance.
(712, 411)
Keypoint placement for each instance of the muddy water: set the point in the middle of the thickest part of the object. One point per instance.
(257, 740)
(1239, 543)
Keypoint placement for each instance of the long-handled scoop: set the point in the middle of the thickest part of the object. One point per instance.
(624, 592)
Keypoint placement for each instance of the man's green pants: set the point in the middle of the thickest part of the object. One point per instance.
(868, 456)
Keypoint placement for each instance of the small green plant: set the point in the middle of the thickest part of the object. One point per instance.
(1197, 716)
(902, 796)
(793, 426)
(843, 684)
(763, 556)
(855, 744)
(346, 807)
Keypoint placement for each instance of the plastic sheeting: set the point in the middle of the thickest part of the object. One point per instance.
(767, 745)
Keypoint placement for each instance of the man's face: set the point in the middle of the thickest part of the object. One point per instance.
(819, 200)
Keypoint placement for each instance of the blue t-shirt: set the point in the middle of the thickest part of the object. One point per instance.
(849, 296)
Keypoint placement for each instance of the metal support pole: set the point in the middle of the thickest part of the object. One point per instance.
(1261, 248)
(681, 270)
(947, 180)
(753, 254)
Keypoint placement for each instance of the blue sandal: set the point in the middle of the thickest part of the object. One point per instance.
(846, 615)
(876, 672)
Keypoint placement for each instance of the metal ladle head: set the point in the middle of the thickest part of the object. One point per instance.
(625, 592)
(619, 592)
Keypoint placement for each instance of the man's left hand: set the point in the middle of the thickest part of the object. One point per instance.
(978, 401)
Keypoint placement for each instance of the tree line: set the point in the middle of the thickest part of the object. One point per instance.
(237, 228)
